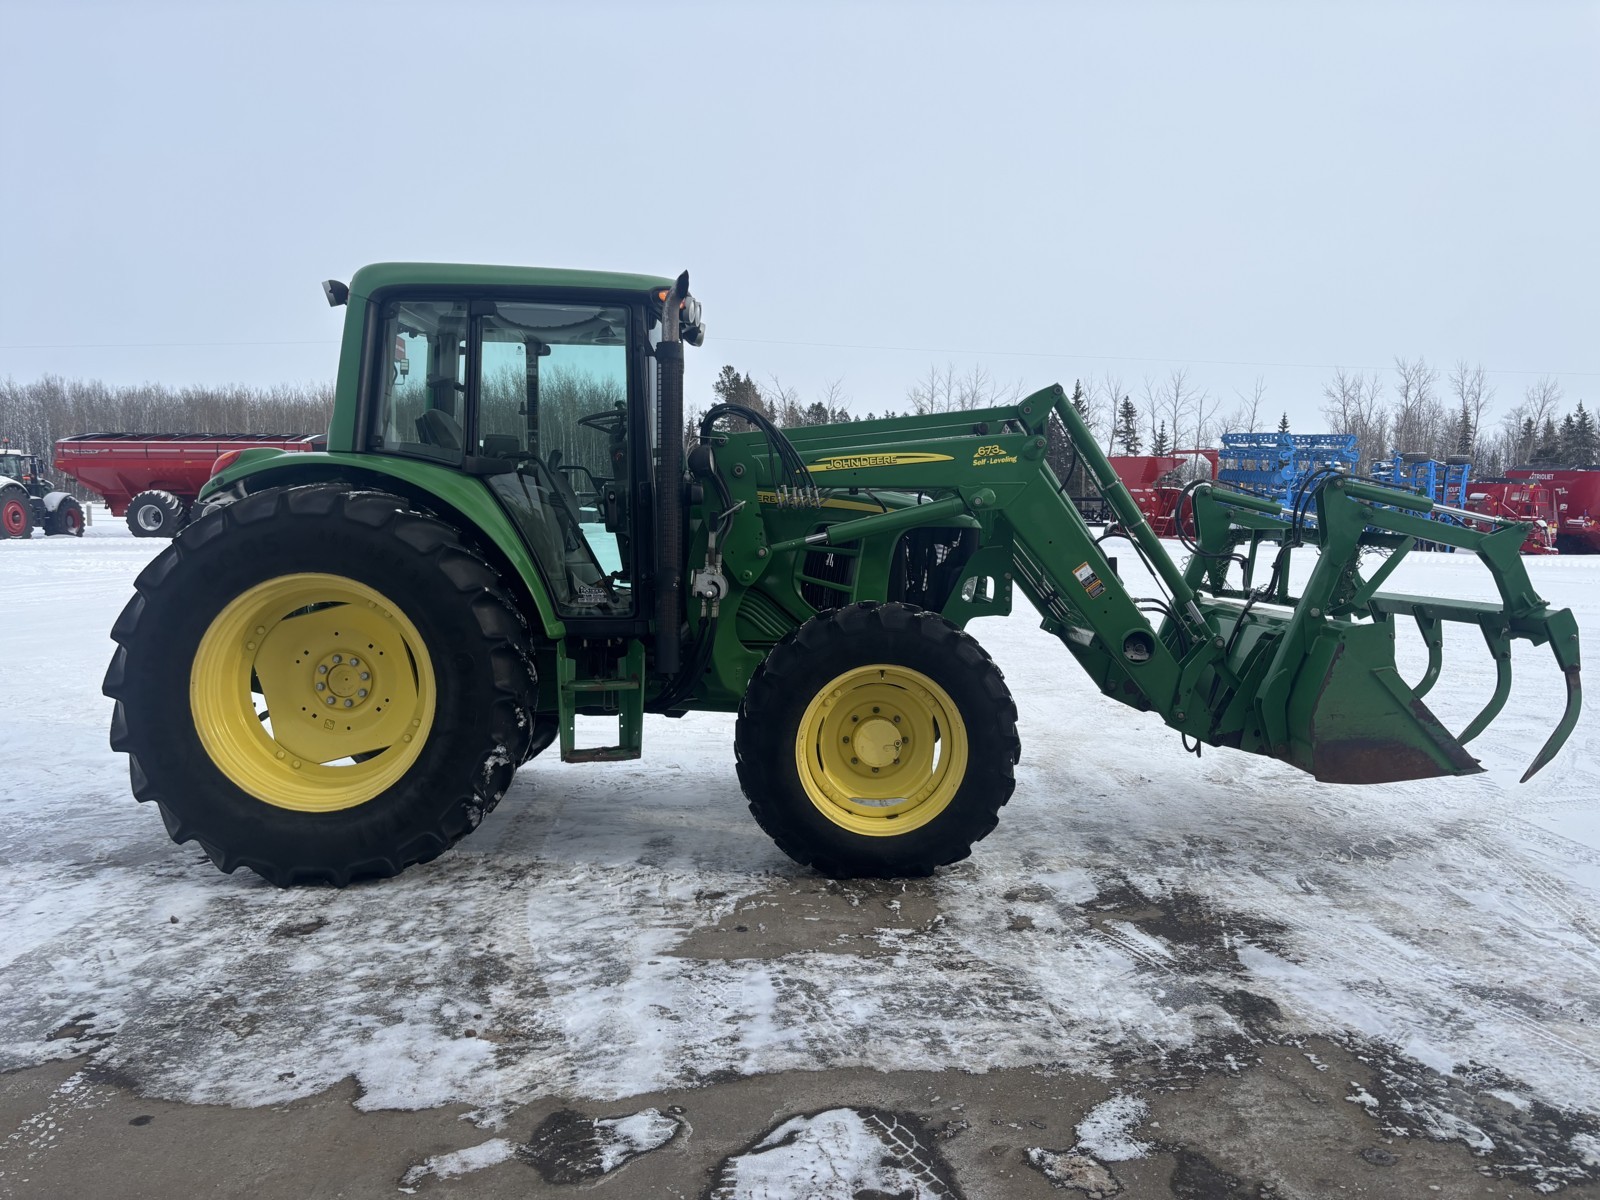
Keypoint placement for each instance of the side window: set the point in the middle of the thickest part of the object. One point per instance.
(423, 408)
(552, 404)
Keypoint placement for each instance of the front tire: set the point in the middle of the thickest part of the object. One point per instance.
(66, 520)
(392, 670)
(877, 740)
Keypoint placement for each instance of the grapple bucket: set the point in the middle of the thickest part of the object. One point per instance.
(1316, 682)
(1353, 719)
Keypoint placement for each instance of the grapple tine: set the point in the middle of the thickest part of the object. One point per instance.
(1569, 721)
(1500, 649)
(1433, 638)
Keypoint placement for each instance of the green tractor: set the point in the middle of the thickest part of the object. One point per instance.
(29, 501)
(335, 669)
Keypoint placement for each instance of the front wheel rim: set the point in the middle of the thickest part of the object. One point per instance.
(312, 692)
(150, 518)
(881, 750)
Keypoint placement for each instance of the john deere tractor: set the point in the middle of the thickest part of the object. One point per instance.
(334, 671)
(29, 501)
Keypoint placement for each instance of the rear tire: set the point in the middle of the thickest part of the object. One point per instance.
(288, 587)
(16, 512)
(155, 514)
(935, 741)
(66, 520)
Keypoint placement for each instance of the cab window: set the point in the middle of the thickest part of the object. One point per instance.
(552, 402)
(422, 412)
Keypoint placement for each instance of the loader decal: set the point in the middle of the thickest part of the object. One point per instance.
(1091, 582)
(771, 498)
(990, 456)
(854, 462)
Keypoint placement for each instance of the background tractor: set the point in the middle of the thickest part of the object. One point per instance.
(29, 501)
(334, 671)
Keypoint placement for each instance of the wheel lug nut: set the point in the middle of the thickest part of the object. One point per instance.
(349, 703)
(338, 658)
(322, 670)
(321, 687)
(330, 699)
(364, 675)
(355, 662)
(362, 693)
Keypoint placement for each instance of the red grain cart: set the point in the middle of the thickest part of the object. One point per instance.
(153, 478)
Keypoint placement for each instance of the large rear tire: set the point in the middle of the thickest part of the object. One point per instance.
(321, 686)
(155, 514)
(877, 740)
(16, 512)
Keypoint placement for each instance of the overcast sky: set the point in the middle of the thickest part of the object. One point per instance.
(859, 191)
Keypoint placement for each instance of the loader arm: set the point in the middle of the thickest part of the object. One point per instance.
(1221, 655)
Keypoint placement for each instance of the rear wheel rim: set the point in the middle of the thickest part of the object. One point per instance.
(150, 518)
(340, 671)
(14, 517)
(881, 750)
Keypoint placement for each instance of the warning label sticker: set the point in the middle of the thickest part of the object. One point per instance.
(1091, 581)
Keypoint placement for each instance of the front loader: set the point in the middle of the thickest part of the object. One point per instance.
(335, 669)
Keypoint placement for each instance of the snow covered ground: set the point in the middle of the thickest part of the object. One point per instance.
(616, 930)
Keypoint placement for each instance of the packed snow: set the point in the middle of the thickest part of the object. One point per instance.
(1134, 900)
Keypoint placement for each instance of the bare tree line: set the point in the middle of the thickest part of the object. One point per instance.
(1452, 415)
(1412, 409)
(36, 413)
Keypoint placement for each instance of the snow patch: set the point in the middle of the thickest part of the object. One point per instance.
(1107, 1130)
(1069, 1169)
(461, 1162)
(834, 1155)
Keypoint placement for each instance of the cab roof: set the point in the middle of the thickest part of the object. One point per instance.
(378, 276)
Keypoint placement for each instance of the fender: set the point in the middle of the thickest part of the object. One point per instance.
(52, 500)
(462, 499)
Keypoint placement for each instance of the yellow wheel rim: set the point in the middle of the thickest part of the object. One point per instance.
(301, 676)
(881, 750)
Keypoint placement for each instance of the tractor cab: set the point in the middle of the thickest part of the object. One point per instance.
(23, 469)
(543, 385)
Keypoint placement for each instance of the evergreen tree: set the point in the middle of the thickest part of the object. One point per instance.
(1585, 443)
(1465, 434)
(1548, 448)
(1526, 440)
(1068, 465)
(1080, 400)
(1283, 423)
(734, 388)
(1160, 445)
(1569, 440)
(1128, 427)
